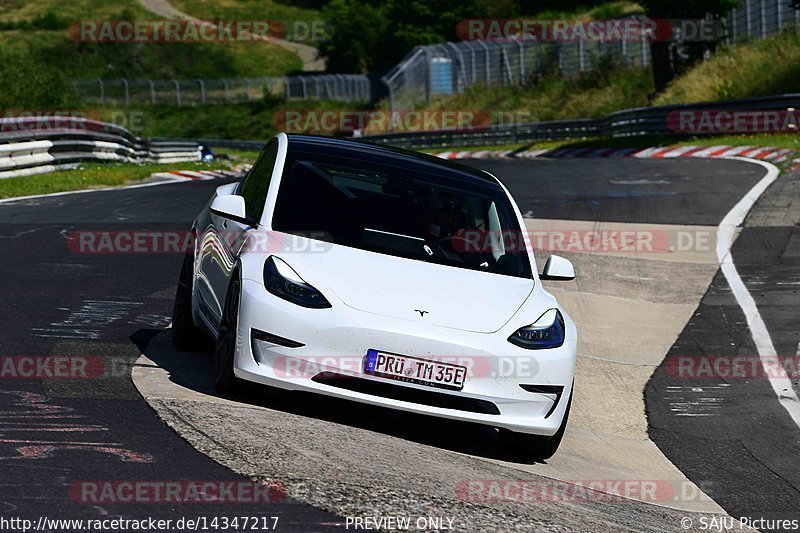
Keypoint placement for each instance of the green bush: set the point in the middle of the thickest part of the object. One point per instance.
(28, 82)
(756, 68)
(48, 21)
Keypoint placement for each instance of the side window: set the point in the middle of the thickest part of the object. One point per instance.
(256, 185)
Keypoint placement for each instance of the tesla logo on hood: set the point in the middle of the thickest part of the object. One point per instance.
(421, 312)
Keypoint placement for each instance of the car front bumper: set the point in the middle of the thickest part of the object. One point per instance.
(334, 342)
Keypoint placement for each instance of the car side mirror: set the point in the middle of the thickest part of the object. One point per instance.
(231, 207)
(557, 269)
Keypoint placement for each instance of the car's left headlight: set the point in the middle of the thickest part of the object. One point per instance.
(546, 332)
(281, 280)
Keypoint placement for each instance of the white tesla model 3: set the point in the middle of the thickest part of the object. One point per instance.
(382, 276)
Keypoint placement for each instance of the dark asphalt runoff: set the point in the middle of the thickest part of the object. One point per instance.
(56, 301)
(677, 191)
(56, 434)
(724, 428)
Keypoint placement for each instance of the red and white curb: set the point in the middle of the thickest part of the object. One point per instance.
(199, 175)
(763, 153)
(471, 154)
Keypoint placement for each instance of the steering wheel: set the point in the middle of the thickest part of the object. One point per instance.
(467, 249)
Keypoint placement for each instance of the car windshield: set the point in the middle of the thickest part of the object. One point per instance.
(381, 207)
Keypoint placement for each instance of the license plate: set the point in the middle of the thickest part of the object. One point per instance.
(415, 370)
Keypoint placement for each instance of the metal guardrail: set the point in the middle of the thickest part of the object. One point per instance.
(233, 144)
(636, 122)
(35, 145)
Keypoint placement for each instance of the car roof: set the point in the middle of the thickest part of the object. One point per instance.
(331, 146)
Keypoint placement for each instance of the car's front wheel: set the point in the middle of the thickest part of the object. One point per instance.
(185, 334)
(538, 447)
(225, 350)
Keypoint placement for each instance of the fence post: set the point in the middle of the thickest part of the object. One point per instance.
(488, 59)
(102, 91)
(127, 92)
(560, 59)
(177, 92)
(249, 90)
(152, 91)
(339, 86)
(581, 55)
(539, 58)
(225, 88)
(391, 101)
(644, 50)
(202, 90)
(747, 22)
(796, 19)
(780, 13)
(625, 49)
(761, 17)
(460, 78)
(521, 47)
(472, 62)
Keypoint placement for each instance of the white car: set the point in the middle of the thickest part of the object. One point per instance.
(382, 276)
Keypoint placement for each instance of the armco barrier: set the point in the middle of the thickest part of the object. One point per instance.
(34, 145)
(627, 123)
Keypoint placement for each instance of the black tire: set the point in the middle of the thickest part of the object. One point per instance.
(537, 447)
(225, 349)
(185, 334)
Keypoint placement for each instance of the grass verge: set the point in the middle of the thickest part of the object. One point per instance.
(92, 176)
(756, 68)
(293, 18)
(254, 120)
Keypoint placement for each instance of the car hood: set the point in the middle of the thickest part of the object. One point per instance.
(415, 290)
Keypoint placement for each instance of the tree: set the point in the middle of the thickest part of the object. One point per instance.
(663, 70)
(373, 35)
(359, 30)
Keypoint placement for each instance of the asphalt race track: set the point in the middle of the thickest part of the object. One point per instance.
(740, 447)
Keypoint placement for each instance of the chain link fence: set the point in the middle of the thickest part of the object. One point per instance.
(758, 19)
(442, 69)
(197, 92)
(434, 70)
(342, 87)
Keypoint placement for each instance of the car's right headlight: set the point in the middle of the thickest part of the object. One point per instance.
(281, 280)
(546, 332)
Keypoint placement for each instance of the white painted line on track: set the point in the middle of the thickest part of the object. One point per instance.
(781, 383)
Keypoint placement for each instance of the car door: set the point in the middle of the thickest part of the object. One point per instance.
(224, 239)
